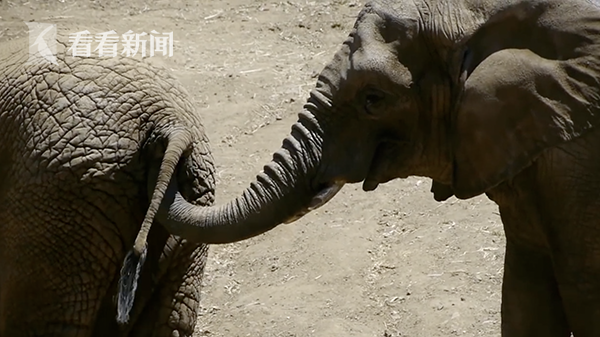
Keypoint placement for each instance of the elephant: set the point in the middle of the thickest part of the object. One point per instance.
(81, 141)
(500, 98)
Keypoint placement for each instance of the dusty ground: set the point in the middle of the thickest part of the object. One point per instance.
(388, 263)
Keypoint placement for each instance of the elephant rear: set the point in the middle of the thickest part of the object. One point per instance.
(77, 141)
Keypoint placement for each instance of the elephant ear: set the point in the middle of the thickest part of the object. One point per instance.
(531, 81)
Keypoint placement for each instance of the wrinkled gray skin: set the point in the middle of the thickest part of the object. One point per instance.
(482, 96)
(78, 143)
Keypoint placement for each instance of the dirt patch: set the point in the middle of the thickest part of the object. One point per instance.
(387, 263)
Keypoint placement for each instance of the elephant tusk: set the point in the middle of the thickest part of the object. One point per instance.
(295, 217)
(322, 197)
(325, 195)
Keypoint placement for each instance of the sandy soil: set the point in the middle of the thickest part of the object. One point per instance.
(387, 263)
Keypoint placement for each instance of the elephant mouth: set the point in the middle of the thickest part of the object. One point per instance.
(370, 185)
(381, 169)
(373, 178)
(326, 193)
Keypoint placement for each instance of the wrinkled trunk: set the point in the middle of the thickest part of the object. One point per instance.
(282, 193)
(288, 188)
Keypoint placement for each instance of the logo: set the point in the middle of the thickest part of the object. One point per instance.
(42, 41)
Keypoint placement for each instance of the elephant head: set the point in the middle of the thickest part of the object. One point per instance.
(466, 92)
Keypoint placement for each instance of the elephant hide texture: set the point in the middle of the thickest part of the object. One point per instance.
(87, 148)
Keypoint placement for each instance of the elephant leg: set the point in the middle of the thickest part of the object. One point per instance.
(173, 308)
(531, 303)
(46, 292)
(579, 283)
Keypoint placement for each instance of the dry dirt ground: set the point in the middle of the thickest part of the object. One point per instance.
(387, 263)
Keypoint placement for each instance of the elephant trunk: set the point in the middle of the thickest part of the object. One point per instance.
(282, 193)
(287, 189)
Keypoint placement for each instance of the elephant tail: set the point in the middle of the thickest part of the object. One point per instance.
(178, 142)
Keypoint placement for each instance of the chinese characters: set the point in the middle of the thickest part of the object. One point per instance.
(132, 44)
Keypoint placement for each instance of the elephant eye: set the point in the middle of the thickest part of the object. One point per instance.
(372, 100)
